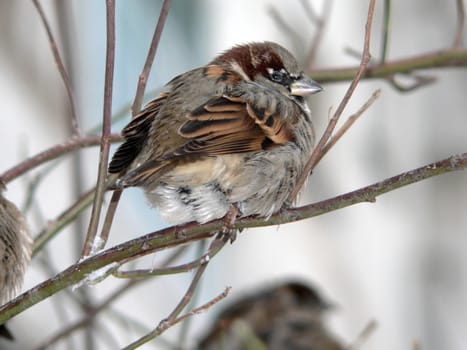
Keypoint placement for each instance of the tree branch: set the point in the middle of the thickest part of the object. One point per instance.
(190, 232)
(386, 31)
(60, 66)
(54, 152)
(460, 24)
(438, 59)
(172, 318)
(85, 321)
(91, 236)
(332, 123)
(143, 77)
(348, 123)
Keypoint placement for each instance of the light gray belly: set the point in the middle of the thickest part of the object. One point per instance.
(204, 190)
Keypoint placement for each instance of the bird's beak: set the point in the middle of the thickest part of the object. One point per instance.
(304, 86)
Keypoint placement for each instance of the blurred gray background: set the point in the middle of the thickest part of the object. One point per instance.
(400, 261)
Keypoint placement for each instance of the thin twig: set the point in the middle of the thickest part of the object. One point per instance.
(60, 66)
(53, 152)
(134, 323)
(310, 11)
(418, 82)
(140, 273)
(166, 324)
(169, 321)
(319, 34)
(284, 25)
(143, 77)
(418, 79)
(348, 123)
(191, 232)
(84, 321)
(109, 216)
(76, 171)
(65, 218)
(59, 303)
(32, 187)
(91, 236)
(431, 60)
(332, 123)
(204, 307)
(71, 144)
(386, 28)
(185, 326)
(460, 24)
(212, 251)
(141, 87)
(364, 335)
(216, 245)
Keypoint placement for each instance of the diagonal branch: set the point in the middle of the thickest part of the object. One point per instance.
(216, 245)
(166, 324)
(60, 66)
(190, 232)
(103, 305)
(332, 123)
(53, 152)
(321, 23)
(143, 77)
(106, 125)
(348, 123)
(170, 320)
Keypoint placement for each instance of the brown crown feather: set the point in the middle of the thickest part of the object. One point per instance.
(252, 58)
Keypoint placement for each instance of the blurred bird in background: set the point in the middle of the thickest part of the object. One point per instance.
(285, 316)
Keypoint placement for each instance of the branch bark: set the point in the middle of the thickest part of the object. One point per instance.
(449, 58)
(91, 236)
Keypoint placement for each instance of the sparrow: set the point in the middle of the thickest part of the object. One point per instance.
(288, 315)
(15, 251)
(232, 136)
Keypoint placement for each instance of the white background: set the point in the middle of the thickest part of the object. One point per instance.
(400, 261)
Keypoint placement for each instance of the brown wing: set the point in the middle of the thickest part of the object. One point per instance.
(135, 134)
(226, 125)
(223, 125)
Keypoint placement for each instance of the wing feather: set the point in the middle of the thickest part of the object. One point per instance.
(135, 133)
(225, 125)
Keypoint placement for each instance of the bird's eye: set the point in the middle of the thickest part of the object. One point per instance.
(279, 76)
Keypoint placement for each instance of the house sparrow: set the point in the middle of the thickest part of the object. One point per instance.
(234, 134)
(15, 251)
(286, 316)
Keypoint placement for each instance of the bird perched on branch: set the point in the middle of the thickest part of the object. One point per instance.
(15, 251)
(227, 139)
(284, 316)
